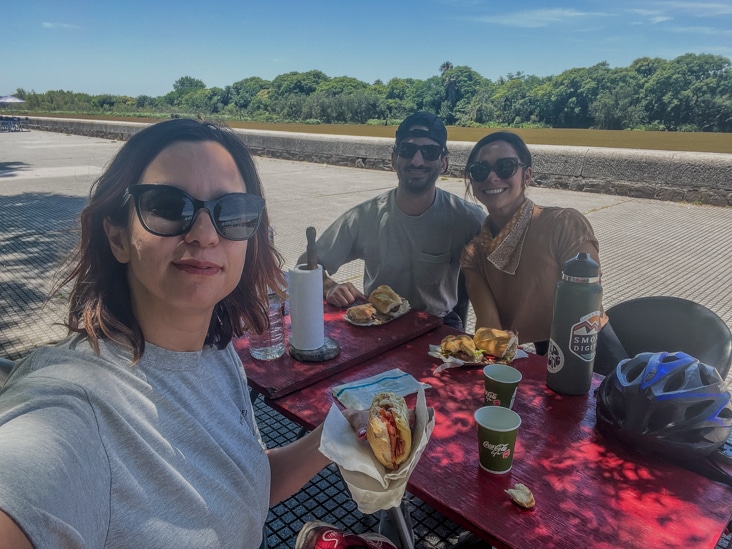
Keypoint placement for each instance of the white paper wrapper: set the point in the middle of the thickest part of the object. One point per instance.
(384, 318)
(372, 487)
(453, 362)
(359, 394)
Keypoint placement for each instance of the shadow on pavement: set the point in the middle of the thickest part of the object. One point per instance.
(8, 169)
(37, 234)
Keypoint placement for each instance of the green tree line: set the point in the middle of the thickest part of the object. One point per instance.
(692, 92)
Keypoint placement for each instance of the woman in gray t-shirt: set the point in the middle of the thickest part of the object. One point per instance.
(137, 430)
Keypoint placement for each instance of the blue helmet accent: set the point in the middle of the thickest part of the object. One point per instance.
(666, 402)
(661, 365)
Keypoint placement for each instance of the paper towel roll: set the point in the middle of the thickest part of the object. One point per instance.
(305, 289)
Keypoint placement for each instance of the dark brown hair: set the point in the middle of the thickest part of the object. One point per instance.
(100, 302)
(511, 138)
(524, 154)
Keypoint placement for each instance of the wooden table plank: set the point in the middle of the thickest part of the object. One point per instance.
(591, 491)
(276, 378)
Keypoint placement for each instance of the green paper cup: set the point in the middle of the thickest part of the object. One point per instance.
(500, 382)
(497, 428)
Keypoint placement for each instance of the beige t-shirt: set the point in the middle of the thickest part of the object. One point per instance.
(524, 301)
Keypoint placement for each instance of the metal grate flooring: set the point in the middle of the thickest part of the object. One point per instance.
(326, 498)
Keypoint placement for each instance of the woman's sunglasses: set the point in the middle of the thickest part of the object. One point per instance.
(504, 168)
(429, 152)
(165, 210)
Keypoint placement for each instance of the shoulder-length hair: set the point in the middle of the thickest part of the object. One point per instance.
(100, 301)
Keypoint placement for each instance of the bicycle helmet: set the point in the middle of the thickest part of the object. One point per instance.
(669, 403)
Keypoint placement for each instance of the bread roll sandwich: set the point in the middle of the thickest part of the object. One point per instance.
(385, 300)
(459, 346)
(361, 314)
(499, 343)
(522, 496)
(388, 430)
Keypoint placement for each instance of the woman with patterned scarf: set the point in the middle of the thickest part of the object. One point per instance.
(513, 265)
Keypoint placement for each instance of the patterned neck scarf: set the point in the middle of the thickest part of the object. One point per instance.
(504, 250)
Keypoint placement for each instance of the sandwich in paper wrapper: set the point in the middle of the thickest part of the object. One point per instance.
(487, 346)
(372, 486)
(384, 305)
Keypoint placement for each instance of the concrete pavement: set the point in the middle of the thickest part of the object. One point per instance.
(648, 247)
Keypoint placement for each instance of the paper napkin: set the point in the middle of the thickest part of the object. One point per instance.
(359, 394)
(372, 486)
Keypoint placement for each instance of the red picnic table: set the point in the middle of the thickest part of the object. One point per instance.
(591, 491)
(276, 378)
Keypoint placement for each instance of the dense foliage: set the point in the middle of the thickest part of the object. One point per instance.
(690, 93)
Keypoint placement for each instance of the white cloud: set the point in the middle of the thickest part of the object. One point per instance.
(654, 16)
(59, 26)
(699, 9)
(538, 18)
(641, 11)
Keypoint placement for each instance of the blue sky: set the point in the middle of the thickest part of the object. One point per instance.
(140, 47)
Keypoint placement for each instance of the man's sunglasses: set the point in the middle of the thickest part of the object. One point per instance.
(504, 168)
(165, 210)
(429, 152)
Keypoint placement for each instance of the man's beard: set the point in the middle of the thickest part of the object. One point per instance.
(417, 185)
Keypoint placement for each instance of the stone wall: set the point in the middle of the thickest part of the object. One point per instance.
(665, 175)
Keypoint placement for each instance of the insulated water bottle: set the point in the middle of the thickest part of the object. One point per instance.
(575, 327)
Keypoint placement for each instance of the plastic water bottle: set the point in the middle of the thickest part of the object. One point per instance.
(575, 327)
(270, 344)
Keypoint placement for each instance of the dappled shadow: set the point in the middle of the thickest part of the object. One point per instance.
(37, 234)
(582, 481)
(8, 169)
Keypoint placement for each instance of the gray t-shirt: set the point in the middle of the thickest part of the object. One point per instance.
(95, 452)
(418, 256)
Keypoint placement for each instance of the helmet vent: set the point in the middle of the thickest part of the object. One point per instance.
(691, 436)
(695, 410)
(707, 376)
(635, 371)
(675, 382)
(725, 413)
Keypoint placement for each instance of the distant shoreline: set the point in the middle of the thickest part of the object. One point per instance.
(714, 142)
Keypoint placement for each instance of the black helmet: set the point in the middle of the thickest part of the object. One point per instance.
(668, 403)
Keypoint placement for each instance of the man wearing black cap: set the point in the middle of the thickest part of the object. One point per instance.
(411, 237)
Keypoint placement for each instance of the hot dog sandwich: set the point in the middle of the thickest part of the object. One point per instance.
(388, 430)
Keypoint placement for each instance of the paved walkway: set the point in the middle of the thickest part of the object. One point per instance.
(647, 248)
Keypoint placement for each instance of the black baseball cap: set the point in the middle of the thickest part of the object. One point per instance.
(435, 128)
